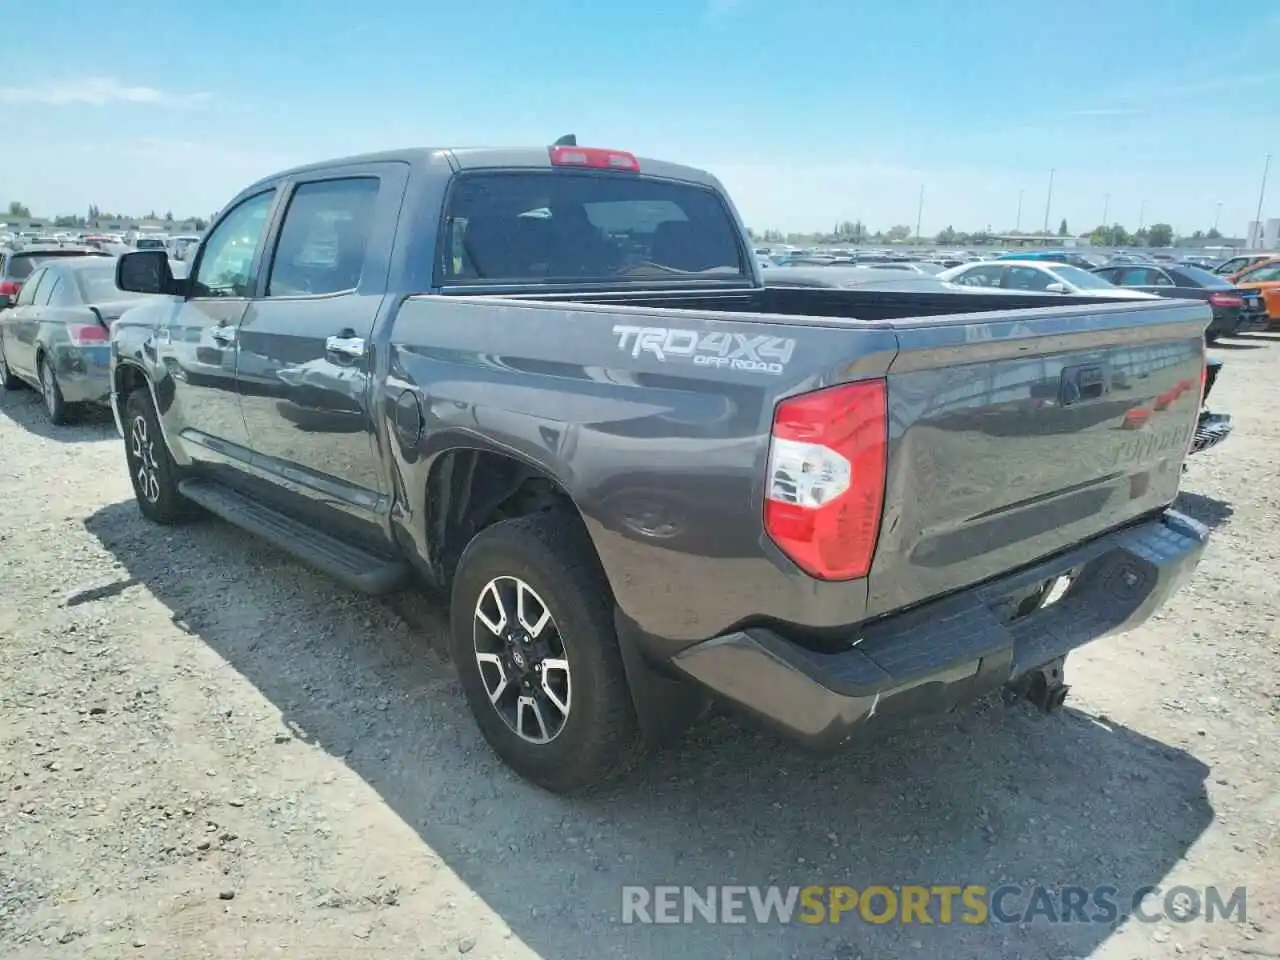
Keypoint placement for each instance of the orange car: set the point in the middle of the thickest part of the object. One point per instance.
(1264, 277)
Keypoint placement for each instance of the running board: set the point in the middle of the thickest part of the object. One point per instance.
(357, 568)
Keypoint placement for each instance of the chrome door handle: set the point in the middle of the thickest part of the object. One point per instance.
(223, 334)
(352, 347)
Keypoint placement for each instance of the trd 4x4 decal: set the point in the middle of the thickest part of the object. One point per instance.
(733, 351)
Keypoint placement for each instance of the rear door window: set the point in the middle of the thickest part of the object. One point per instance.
(1027, 278)
(561, 227)
(29, 289)
(321, 249)
(984, 276)
(1136, 277)
(20, 267)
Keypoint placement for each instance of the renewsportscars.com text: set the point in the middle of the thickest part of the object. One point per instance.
(941, 904)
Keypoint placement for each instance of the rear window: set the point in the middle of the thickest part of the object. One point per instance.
(20, 267)
(149, 243)
(564, 227)
(98, 283)
(1202, 278)
(21, 264)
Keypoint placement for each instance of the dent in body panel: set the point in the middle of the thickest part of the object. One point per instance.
(134, 343)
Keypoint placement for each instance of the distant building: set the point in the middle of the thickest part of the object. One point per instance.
(1264, 235)
(1047, 241)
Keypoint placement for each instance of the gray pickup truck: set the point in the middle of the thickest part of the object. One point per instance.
(553, 382)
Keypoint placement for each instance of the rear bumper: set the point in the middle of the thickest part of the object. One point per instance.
(952, 650)
(1225, 322)
(83, 374)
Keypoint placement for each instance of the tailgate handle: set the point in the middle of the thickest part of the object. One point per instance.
(1083, 383)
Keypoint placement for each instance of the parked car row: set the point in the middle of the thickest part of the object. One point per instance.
(113, 243)
(1012, 278)
(55, 324)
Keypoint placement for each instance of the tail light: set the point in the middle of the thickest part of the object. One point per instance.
(1226, 300)
(87, 334)
(594, 157)
(825, 493)
(10, 289)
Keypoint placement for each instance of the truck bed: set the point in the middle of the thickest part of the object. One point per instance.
(1013, 433)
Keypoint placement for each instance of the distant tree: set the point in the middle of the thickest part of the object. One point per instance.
(1140, 238)
(198, 224)
(151, 215)
(1160, 235)
(1213, 234)
(947, 237)
(67, 221)
(898, 233)
(17, 209)
(168, 216)
(978, 239)
(1062, 228)
(1110, 236)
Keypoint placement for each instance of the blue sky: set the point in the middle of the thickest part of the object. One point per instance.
(811, 112)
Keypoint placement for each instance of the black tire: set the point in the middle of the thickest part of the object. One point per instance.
(152, 470)
(7, 380)
(57, 409)
(551, 554)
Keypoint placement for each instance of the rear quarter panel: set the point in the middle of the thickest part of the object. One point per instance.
(663, 457)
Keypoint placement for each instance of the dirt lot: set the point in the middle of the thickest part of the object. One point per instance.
(209, 751)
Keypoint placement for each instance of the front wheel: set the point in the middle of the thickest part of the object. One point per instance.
(533, 640)
(152, 469)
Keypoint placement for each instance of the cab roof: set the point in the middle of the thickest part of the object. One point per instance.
(450, 160)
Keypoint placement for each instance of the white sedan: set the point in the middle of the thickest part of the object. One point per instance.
(1037, 276)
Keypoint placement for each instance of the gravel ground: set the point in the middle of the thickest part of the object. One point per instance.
(209, 751)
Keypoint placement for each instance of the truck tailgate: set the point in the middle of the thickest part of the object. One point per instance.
(1013, 436)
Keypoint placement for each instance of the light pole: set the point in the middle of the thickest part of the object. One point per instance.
(1106, 208)
(1262, 192)
(919, 212)
(1217, 217)
(1017, 227)
(1048, 202)
(1142, 216)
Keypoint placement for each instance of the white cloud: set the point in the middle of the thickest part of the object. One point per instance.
(95, 91)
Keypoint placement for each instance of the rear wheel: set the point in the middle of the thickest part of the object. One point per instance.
(152, 469)
(55, 406)
(533, 640)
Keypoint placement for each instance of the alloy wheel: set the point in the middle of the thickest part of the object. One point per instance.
(145, 469)
(522, 659)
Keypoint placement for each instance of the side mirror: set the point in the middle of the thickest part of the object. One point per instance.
(145, 271)
(1056, 288)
